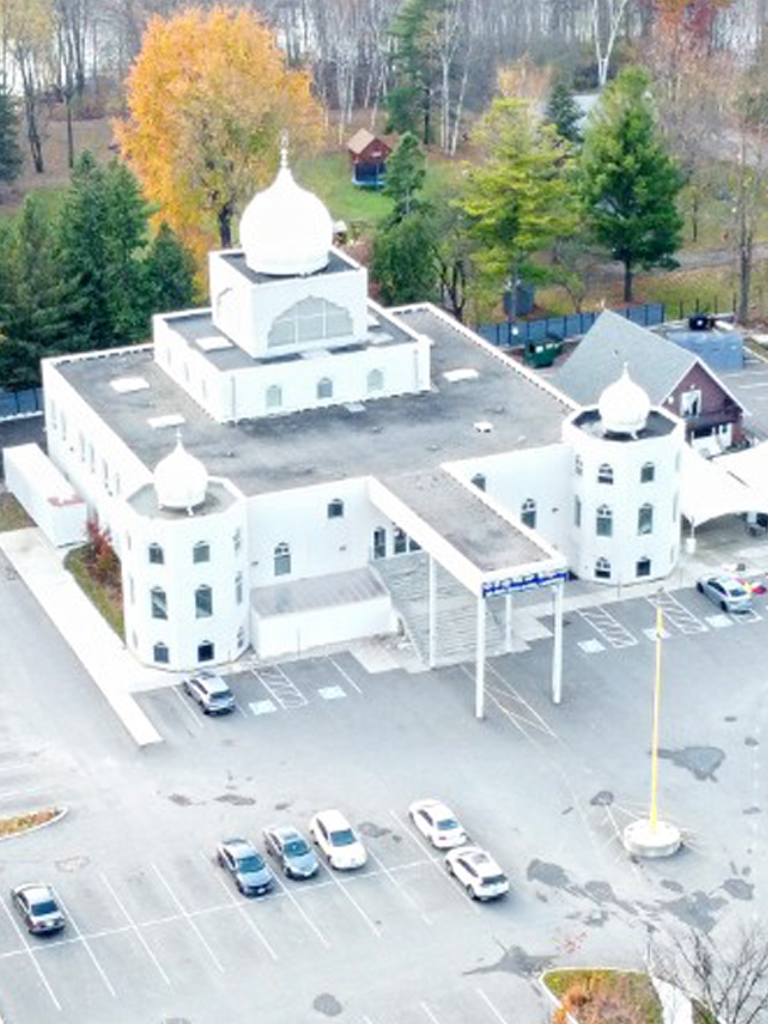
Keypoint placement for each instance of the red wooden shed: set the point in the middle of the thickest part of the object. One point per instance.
(368, 155)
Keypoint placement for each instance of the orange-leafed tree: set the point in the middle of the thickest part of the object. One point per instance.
(208, 97)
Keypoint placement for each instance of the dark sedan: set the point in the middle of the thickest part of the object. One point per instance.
(291, 850)
(252, 875)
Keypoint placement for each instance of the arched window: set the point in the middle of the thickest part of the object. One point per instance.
(379, 542)
(605, 474)
(155, 554)
(479, 481)
(239, 588)
(375, 381)
(205, 651)
(647, 473)
(645, 519)
(160, 654)
(577, 511)
(528, 513)
(203, 602)
(602, 569)
(325, 388)
(604, 524)
(335, 509)
(241, 637)
(578, 465)
(274, 396)
(159, 603)
(310, 319)
(282, 559)
(400, 543)
(643, 566)
(201, 552)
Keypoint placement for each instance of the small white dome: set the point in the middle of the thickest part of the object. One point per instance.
(624, 406)
(286, 230)
(180, 480)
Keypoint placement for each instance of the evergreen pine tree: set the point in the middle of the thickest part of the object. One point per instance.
(404, 262)
(169, 271)
(564, 112)
(38, 303)
(629, 184)
(405, 177)
(102, 238)
(414, 65)
(10, 153)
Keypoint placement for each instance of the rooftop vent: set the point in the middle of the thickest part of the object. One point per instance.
(483, 427)
(171, 420)
(456, 375)
(125, 385)
(213, 342)
(354, 407)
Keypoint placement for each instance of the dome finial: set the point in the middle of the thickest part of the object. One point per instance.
(284, 143)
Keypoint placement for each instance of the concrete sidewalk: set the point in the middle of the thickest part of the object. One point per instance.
(104, 656)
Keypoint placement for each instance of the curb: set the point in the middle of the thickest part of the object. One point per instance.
(60, 813)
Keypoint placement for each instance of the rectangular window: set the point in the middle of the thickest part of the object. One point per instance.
(643, 567)
(577, 511)
(237, 540)
(131, 590)
(690, 404)
(239, 588)
(201, 552)
(203, 602)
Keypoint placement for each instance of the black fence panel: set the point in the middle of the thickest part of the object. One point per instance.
(572, 325)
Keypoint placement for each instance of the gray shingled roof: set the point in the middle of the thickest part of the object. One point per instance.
(656, 364)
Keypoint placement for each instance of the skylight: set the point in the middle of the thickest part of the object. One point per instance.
(464, 374)
(213, 342)
(170, 420)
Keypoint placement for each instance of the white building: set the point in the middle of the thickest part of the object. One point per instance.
(266, 465)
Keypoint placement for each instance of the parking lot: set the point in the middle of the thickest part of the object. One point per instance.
(158, 933)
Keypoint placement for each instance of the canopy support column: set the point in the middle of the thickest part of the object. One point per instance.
(480, 660)
(557, 647)
(432, 611)
(508, 623)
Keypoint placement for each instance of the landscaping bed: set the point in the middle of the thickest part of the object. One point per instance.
(103, 590)
(597, 996)
(12, 515)
(19, 823)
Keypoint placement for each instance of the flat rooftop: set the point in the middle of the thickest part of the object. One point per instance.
(480, 403)
(461, 517)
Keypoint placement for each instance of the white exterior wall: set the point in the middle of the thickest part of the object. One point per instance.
(541, 474)
(45, 494)
(179, 576)
(624, 497)
(292, 634)
(253, 308)
(318, 545)
(68, 418)
(189, 368)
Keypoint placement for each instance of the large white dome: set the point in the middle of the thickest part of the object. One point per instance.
(180, 480)
(285, 229)
(624, 406)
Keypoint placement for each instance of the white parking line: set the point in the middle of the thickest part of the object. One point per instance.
(491, 1007)
(344, 675)
(136, 930)
(86, 946)
(677, 614)
(28, 949)
(436, 862)
(609, 628)
(280, 687)
(184, 701)
(241, 911)
(303, 913)
(190, 920)
(399, 887)
(429, 1013)
(371, 923)
(535, 718)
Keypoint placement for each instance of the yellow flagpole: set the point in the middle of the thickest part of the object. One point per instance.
(656, 710)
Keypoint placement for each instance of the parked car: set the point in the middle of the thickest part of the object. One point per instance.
(478, 872)
(240, 858)
(726, 591)
(289, 847)
(210, 691)
(437, 823)
(337, 840)
(36, 904)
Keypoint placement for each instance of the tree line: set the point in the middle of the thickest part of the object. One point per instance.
(87, 276)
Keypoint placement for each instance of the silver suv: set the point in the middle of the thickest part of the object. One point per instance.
(210, 691)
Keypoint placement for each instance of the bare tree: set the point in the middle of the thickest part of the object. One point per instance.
(606, 19)
(727, 977)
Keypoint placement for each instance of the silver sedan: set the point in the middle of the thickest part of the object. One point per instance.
(727, 592)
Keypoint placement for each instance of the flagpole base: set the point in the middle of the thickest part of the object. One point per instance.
(642, 839)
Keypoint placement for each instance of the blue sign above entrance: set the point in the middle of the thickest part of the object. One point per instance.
(528, 582)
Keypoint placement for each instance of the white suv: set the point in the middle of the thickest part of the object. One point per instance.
(478, 872)
(337, 840)
(210, 691)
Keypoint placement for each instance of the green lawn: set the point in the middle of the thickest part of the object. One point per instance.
(12, 515)
(328, 175)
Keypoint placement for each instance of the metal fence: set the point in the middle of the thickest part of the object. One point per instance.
(574, 324)
(20, 403)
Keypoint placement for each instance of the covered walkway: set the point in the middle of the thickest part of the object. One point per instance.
(726, 485)
(482, 547)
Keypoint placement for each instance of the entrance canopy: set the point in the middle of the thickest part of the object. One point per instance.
(727, 485)
(467, 533)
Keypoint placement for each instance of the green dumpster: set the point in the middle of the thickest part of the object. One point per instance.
(544, 352)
